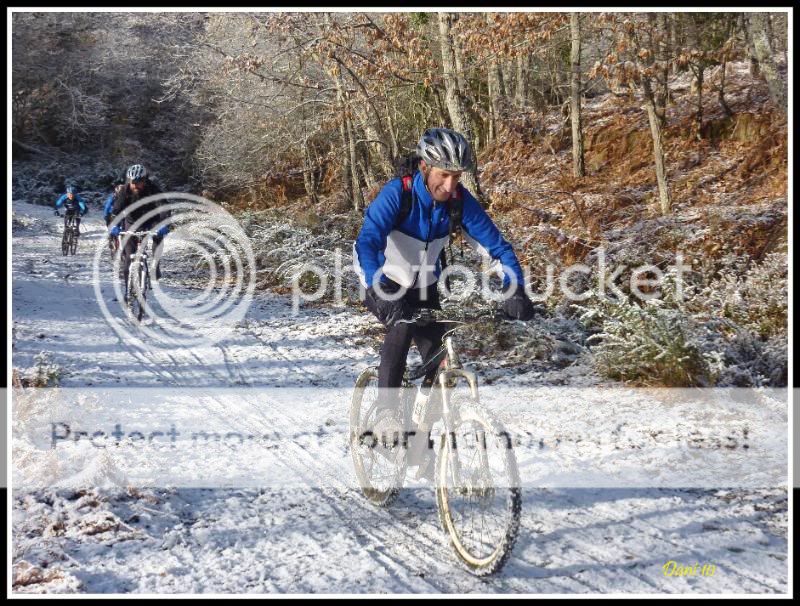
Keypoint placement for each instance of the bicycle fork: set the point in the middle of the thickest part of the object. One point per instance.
(447, 380)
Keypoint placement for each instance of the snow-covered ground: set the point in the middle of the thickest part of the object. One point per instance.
(290, 518)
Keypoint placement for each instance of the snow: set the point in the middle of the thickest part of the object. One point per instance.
(600, 514)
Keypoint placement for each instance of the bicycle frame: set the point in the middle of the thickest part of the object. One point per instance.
(144, 239)
(450, 370)
(139, 257)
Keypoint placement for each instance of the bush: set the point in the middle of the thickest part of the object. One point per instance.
(649, 344)
(44, 373)
(754, 297)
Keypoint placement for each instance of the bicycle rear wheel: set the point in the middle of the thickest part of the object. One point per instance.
(478, 490)
(379, 477)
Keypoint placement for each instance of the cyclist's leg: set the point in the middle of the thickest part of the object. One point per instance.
(127, 252)
(158, 245)
(394, 351)
(428, 340)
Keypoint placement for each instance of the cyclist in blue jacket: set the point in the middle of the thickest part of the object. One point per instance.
(108, 209)
(392, 253)
(73, 205)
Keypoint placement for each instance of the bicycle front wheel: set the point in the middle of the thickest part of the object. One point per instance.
(478, 490)
(73, 246)
(137, 293)
(380, 478)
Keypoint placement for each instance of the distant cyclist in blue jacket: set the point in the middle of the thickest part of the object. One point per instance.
(393, 252)
(73, 205)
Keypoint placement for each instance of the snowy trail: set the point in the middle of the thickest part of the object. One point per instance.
(322, 536)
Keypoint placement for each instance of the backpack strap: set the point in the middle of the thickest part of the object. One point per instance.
(406, 199)
(455, 208)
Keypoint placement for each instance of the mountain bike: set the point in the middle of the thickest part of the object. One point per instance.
(138, 272)
(69, 239)
(478, 492)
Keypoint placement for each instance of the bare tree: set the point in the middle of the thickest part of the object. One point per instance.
(575, 98)
(757, 26)
(455, 107)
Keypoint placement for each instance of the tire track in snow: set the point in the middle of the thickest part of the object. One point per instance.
(665, 545)
(347, 503)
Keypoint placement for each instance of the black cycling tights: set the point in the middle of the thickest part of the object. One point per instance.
(394, 350)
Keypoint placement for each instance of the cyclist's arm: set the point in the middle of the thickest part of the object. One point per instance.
(109, 206)
(378, 222)
(119, 197)
(61, 200)
(481, 231)
(82, 205)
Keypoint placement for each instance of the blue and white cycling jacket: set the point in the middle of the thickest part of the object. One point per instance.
(63, 200)
(408, 253)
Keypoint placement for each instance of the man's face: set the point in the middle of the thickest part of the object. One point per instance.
(441, 183)
(70, 195)
(137, 186)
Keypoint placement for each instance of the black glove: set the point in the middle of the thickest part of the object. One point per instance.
(388, 312)
(57, 214)
(518, 306)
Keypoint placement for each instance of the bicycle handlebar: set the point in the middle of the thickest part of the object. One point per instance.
(138, 233)
(427, 316)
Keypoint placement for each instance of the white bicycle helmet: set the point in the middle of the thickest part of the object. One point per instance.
(446, 149)
(136, 172)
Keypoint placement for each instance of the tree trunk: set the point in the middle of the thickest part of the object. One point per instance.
(698, 119)
(658, 149)
(494, 90)
(308, 175)
(458, 115)
(661, 51)
(672, 45)
(371, 122)
(731, 22)
(358, 198)
(439, 106)
(521, 91)
(366, 172)
(346, 168)
(757, 24)
(575, 105)
(460, 80)
(755, 68)
(395, 150)
(507, 73)
(349, 170)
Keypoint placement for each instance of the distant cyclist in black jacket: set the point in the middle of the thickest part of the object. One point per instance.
(137, 187)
